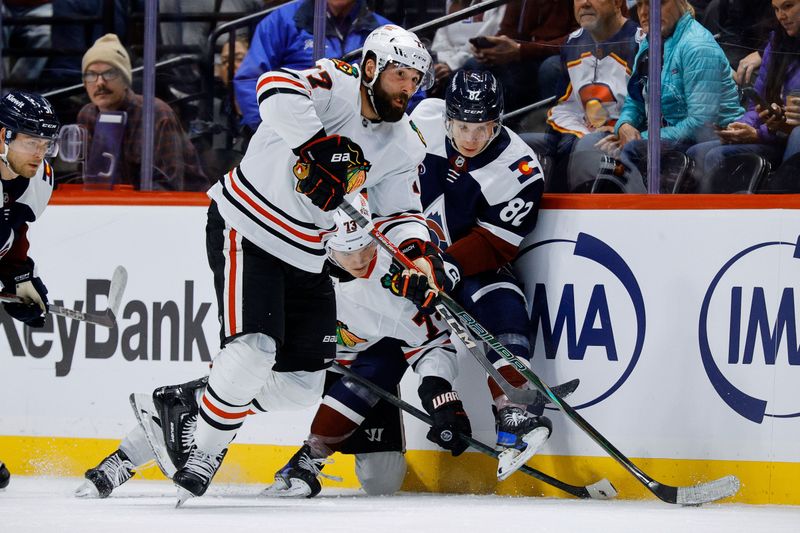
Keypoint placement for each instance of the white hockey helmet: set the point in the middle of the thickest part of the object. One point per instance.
(349, 236)
(393, 44)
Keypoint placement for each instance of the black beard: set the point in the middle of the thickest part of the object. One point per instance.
(383, 104)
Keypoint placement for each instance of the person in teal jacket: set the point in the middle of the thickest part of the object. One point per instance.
(285, 39)
(698, 93)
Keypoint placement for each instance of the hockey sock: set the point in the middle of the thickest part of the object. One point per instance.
(329, 430)
(135, 446)
(514, 378)
(239, 372)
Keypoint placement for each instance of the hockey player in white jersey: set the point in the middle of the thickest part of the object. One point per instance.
(481, 188)
(28, 132)
(379, 340)
(327, 133)
(379, 337)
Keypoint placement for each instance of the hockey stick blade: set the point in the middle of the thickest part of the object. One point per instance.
(601, 490)
(710, 491)
(119, 280)
(663, 492)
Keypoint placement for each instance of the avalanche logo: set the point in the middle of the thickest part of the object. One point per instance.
(587, 314)
(748, 331)
(437, 223)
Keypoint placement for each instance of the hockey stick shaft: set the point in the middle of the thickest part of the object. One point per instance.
(107, 319)
(454, 313)
(580, 492)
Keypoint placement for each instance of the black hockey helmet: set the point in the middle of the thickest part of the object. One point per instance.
(28, 113)
(474, 96)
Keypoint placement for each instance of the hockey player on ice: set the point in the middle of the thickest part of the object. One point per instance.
(481, 189)
(28, 132)
(379, 338)
(326, 133)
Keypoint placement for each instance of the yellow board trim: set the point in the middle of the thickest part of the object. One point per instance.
(430, 471)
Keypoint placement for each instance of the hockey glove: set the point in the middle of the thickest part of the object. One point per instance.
(449, 418)
(437, 272)
(32, 290)
(328, 168)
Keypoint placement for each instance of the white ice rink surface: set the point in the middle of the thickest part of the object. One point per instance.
(47, 505)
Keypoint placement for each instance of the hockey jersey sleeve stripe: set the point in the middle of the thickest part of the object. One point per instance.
(279, 81)
(278, 90)
(270, 216)
(508, 236)
(386, 224)
(268, 228)
(253, 191)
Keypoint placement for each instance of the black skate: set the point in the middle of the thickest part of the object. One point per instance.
(298, 478)
(519, 437)
(101, 480)
(5, 476)
(196, 474)
(176, 407)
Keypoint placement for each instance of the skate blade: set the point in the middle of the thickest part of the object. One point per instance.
(279, 489)
(144, 410)
(183, 496)
(87, 490)
(509, 461)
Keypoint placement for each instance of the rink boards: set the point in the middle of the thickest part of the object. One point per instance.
(679, 317)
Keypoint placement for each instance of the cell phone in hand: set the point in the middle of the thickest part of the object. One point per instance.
(481, 42)
(751, 94)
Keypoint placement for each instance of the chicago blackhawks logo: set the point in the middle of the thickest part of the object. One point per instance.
(345, 337)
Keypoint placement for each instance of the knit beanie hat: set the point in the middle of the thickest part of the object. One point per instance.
(109, 50)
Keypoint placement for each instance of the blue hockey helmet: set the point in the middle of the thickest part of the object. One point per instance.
(474, 96)
(28, 113)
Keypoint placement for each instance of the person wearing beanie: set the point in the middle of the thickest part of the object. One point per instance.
(106, 68)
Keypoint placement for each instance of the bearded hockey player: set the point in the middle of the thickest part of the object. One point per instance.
(327, 133)
(28, 132)
(379, 338)
(481, 188)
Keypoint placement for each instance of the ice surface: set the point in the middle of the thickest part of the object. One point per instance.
(47, 505)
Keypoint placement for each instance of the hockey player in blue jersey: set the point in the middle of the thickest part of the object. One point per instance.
(28, 131)
(481, 186)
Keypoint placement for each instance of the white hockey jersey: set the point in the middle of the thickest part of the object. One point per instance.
(596, 83)
(23, 201)
(367, 312)
(258, 197)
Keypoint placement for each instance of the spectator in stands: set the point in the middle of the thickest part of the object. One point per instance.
(524, 53)
(451, 47)
(698, 93)
(106, 71)
(769, 131)
(744, 27)
(196, 33)
(285, 39)
(596, 63)
(24, 37)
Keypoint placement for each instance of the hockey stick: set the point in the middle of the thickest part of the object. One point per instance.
(602, 490)
(458, 317)
(107, 319)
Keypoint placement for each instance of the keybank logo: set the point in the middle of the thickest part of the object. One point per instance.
(748, 331)
(587, 312)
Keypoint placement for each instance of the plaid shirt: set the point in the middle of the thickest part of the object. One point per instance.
(176, 164)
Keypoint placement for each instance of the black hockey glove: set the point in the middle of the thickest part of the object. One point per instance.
(328, 168)
(31, 288)
(415, 285)
(449, 418)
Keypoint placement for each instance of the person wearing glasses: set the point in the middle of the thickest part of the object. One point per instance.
(106, 69)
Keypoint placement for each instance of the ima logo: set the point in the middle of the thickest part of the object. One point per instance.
(748, 331)
(587, 314)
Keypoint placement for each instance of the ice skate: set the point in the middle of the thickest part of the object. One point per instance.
(298, 478)
(5, 476)
(145, 413)
(195, 476)
(101, 480)
(519, 437)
